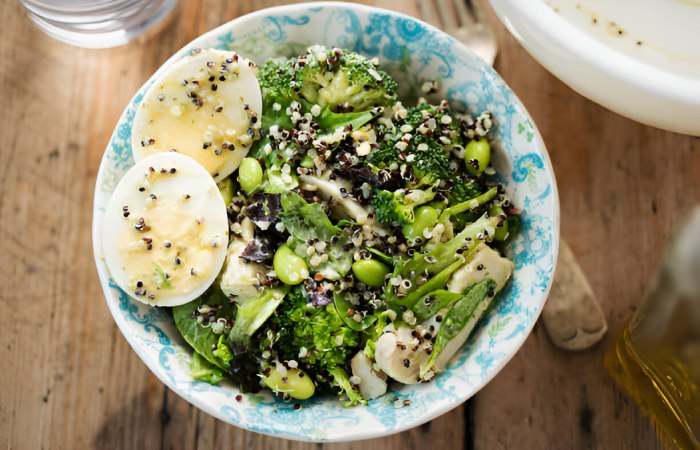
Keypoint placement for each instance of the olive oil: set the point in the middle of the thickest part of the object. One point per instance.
(656, 360)
(663, 387)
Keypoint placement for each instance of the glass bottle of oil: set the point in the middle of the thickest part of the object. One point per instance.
(656, 360)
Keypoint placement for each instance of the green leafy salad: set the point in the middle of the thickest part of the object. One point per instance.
(365, 238)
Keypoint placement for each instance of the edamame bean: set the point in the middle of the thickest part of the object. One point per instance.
(295, 383)
(290, 268)
(250, 174)
(502, 228)
(370, 272)
(477, 155)
(424, 217)
(226, 189)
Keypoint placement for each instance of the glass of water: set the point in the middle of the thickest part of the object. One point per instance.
(98, 23)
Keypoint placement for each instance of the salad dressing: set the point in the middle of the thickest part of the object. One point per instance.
(207, 106)
(166, 230)
(167, 257)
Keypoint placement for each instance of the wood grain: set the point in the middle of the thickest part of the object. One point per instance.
(70, 380)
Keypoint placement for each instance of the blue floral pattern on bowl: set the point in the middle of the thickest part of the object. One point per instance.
(412, 52)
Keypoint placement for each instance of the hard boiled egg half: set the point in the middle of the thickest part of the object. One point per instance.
(165, 230)
(207, 105)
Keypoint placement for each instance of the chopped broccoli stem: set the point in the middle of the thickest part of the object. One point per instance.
(470, 204)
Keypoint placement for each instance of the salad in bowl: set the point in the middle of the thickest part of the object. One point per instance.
(308, 232)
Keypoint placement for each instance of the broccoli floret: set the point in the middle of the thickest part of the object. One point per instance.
(314, 336)
(461, 189)
(354, 83)
(277, 79)
(339, 80)
(430, 164)
(397, 207)
(426, 151)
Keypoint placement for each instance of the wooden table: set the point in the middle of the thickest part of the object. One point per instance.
(70, 380)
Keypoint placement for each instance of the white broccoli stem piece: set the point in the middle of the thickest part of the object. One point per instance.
(484, 263)
(372, 384)
(239, 280)
(400, 355)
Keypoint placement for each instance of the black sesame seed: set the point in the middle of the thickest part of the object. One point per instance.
(406, 363)
(214, 87)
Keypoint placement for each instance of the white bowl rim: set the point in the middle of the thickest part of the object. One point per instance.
(609, 60)
(436, 412)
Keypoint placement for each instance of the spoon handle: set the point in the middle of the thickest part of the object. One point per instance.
(572, 315)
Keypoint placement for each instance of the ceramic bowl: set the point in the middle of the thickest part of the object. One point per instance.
(639, 59)
(413, 52)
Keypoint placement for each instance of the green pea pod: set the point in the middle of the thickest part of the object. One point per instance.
(342, 305)
(430, 304)
(254, 312)
(461, 318)
(435, 283)
(383, 257)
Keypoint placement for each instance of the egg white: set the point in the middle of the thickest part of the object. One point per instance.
(207, 105)
(166, 216)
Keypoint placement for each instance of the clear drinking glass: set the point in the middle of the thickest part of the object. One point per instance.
(656, 360)
(97, 23)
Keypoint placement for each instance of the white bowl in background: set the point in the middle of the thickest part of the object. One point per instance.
(640, 59)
